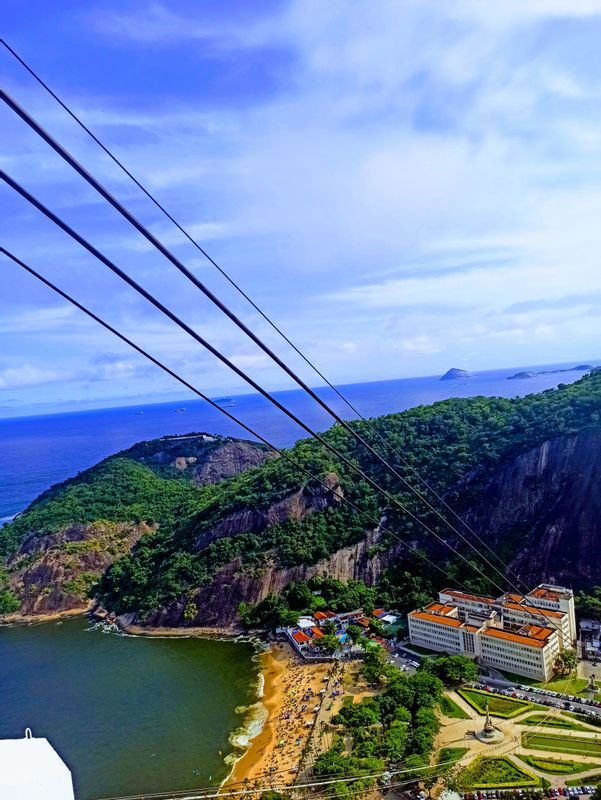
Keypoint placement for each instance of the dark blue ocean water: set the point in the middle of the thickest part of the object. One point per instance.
(37, 452)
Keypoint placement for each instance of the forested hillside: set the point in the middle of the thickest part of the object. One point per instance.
(245, 537)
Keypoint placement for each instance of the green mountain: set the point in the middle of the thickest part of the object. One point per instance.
(201, 532)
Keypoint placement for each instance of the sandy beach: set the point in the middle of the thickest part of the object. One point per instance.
(293, 693)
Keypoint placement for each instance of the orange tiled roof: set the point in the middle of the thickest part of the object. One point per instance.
(536, 632)
(497, 633)
(317, 633)
(320, 615)
(453, 622)
(472, 628)
(364, 622)
(439, 608)
(545, 593)
(463, 596)
(300, 637)
(532, 610)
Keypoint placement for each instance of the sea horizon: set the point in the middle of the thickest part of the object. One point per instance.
(236, 393)
(40, 450)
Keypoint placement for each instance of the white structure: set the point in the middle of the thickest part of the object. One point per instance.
(520, 634)
(30, 769)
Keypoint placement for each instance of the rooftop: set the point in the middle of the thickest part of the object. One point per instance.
(536, 632)
(532, 610)
(497, 633)
(549, 592)
(476, 598)
(440, 608)
(452, 622)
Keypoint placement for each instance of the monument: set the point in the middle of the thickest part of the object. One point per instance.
(489, 734)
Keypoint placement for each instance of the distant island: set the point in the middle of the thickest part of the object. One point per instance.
(529, 374)
(455, 374)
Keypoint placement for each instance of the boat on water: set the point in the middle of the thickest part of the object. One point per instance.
(224, 402)
(31, 768)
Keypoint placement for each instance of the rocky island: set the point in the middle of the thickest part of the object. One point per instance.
(529, 374)
(455, 374)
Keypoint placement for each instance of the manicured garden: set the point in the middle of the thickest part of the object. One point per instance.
(494, 773)
(552, 721)
(562, 744)
(450, 708)
(498, 705)
(555, 766)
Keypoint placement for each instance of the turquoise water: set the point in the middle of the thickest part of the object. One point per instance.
(127, 714)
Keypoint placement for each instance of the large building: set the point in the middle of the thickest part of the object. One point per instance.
(518, 633)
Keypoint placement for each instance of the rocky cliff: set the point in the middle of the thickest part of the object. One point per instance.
(181, 530)
(546, 504)
(52, 571)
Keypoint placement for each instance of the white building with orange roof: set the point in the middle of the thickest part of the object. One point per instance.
(513, 633)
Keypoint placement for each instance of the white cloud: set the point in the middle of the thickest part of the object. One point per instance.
(420, 344)
(418, 172)
(28, 375)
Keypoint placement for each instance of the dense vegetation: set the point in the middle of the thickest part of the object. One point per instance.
(588, 604)
(306, 597)
(443, 441)
(485, 772)
(397, 725)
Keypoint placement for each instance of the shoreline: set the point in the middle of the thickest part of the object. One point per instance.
(54, 616)
(269, 743)
(231, 634)
(291, 699)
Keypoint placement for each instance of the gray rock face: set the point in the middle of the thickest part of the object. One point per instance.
(548, 502)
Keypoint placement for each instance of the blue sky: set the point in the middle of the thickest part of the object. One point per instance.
(404, 187)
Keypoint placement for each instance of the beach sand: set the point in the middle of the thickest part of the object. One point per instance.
(274, 755)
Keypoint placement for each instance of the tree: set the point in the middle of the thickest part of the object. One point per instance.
(375, 662)
(9, 602)
(566, 661)
(354, 633)
(329, 627)
(330, 643)
(452, 670)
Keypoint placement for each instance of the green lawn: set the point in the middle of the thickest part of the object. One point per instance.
(555, 766)
(422, 650)
(515, 679)
(552, 722)
(450, 708)
(498, 705)
(592, 780)
(569, 684)
(492, 773)
(451, 754)
(562, 744)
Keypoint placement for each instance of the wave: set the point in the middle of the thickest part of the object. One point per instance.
(255, 717)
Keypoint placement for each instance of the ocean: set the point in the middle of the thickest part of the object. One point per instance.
(37, 452)
(130, 714)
